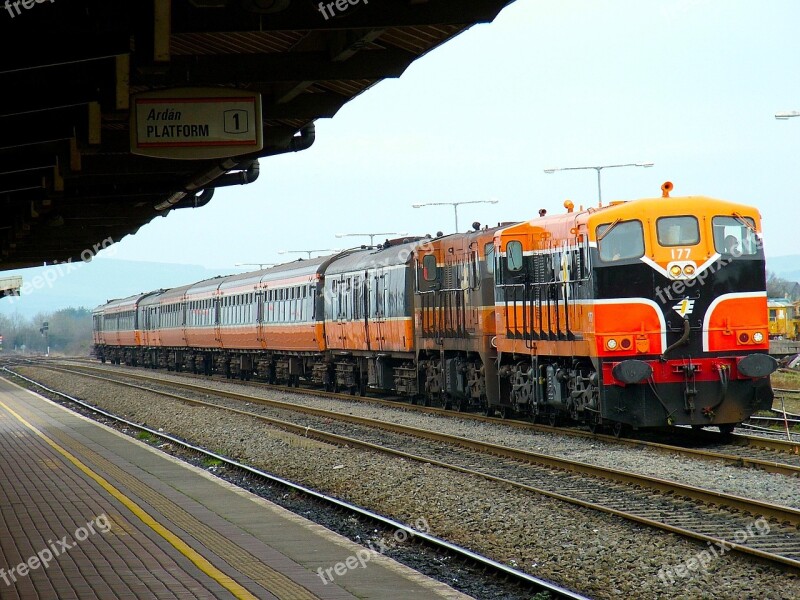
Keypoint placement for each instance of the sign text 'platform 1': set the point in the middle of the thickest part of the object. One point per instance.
(196, 123)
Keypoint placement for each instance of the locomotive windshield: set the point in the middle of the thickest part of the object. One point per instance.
(678, 231)
(621, 240)
(735, 236)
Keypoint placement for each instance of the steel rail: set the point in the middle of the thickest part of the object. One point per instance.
(771, 466)
(782, 513)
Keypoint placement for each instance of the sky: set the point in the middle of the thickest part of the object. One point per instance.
(689, 85)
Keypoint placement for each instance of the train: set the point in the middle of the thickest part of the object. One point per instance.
(646, 313)
(784, 319)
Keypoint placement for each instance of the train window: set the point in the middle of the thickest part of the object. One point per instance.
(488, 250)
(429, 272)
(735, 236)
(514, 255)
(620, 240)
(380, 296)
(678, 231)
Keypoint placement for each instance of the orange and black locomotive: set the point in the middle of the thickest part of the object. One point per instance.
(642, 313)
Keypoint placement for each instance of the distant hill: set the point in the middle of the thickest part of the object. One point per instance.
(90, 284)
(785, 267)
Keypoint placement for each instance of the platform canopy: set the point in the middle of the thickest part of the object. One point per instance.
(71, 72)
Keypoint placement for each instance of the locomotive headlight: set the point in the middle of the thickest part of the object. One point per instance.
(688, 270)
(758, 337)
(675, 270)
(611, 344)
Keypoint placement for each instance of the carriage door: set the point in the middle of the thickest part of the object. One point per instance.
(513, 290)
(261, 298)
(342, 300)
(362, 297)
(215, 318)
(155, 325)
(378, 309)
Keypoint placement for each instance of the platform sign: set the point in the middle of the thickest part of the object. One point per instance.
(191, 123)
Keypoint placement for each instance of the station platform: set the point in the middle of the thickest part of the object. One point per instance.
(90, 513)
(782, 348)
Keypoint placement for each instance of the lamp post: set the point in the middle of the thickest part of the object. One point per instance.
(455, 205)
(598, 168)
(788, 114)
(44, 330)
(308, 251)
(371, 235)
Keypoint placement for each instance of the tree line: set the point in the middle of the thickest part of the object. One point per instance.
(777, 287)
(68, 331)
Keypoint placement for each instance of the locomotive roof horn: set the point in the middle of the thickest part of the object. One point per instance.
(666, 188)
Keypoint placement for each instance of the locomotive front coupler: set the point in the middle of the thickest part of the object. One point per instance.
(689, 388)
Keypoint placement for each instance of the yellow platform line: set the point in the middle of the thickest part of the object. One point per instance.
(200, 562)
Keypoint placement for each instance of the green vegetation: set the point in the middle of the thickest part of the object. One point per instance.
(146, 437)
(211, 462)
(786, 379)
(69, 332)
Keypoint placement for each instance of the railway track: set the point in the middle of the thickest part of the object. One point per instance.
(773, 455)
(781, 424)
(504, 572)
(712, 517)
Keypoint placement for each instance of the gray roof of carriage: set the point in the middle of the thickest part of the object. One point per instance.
(369, 258)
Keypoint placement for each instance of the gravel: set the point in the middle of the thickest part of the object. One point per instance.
(715, 475)
(595, 554)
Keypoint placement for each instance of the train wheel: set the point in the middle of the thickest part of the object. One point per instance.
(727, 429)
(593, 423)
(552, 418)
(488, 410)
(618, 429)
(505, 412)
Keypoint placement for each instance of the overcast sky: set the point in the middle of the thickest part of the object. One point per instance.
(691, 85)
